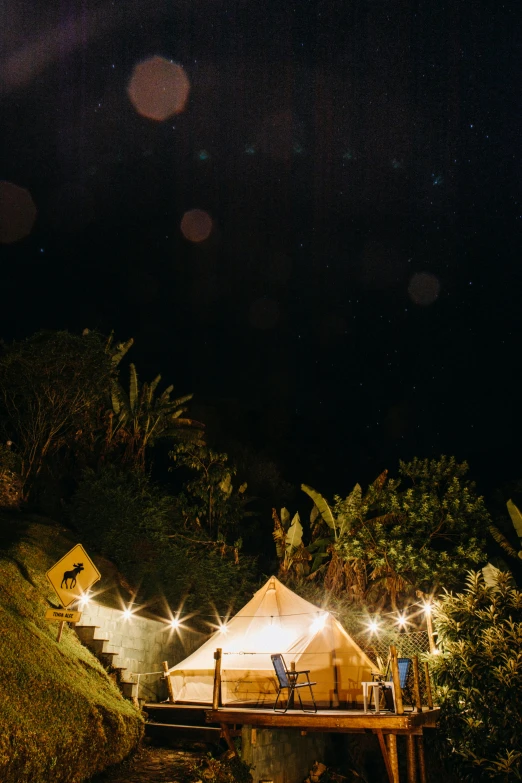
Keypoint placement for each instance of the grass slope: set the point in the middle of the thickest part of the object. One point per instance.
(62, 719)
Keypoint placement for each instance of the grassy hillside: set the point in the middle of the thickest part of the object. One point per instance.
(61, 717)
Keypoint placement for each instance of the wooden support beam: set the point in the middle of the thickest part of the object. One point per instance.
(399, 707)
(216, 696)
(325, 720)
(384, 751)
(429, 697)
(416, 684)
(228, 738)
(169, 681)
(394, 756)
(411, 765)
(422, 760)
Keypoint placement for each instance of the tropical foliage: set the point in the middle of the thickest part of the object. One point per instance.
(479, 677)
(516, 520)
(209, 502)
(125, 516)
(400, 538)
(137, 525)
(141, 417)
(52, 390)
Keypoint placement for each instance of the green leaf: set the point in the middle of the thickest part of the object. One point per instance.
(502, 541)
(133, 389)
(294, 537)
(516, 517)
(322, 505)
(285, 518)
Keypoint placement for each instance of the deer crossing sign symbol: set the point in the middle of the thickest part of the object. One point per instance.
(73, 575)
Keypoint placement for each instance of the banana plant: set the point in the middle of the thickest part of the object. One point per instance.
(322, 507)
(140, 417)
(500, 538)
(288, 537)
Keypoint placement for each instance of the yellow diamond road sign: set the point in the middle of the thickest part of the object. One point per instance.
(73, 575)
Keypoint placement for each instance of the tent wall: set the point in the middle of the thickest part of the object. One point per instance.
(275, 621)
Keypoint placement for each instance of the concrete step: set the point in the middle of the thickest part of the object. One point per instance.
(86, 632)
(129, 689)
(107, 658)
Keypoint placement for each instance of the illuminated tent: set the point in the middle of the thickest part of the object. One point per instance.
(276, 620)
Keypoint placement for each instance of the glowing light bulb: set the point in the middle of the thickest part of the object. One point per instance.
(127, 614)
(175, 623)
(401, 621)
(373, 626)
(427, 609)
(84, 600)
(223, 629)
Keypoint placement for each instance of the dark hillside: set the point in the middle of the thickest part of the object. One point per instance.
(62, 719)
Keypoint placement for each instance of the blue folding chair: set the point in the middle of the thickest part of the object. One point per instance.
(288, 681)
(388, 692)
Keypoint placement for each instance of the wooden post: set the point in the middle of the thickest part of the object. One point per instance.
(169, 682)
(216, 696)
(227, 737)
(410, 758)
(394, 758)
(429, 697)
(385, 755)
(399, 707)
(422, 760)
(291, 700)
(429, 626)
(60, 631)
(416, 684)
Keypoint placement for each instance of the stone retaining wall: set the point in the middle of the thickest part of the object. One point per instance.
(141, 644)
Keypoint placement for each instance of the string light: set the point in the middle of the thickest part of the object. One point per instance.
(373, 626)
(402, 621)
(127, 614)
(319, 623)
(175, 623)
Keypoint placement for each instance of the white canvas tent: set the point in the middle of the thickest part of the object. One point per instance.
(276, 620)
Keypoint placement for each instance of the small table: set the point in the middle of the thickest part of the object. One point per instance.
(376, 693)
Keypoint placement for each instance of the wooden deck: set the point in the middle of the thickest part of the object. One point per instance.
(386, 726)
(327, 720)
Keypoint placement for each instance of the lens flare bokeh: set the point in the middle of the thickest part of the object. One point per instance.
(17, 213)
(158, 88)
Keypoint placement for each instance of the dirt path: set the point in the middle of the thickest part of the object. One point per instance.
(152, 765)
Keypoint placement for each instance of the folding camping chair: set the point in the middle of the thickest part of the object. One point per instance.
(288, 680)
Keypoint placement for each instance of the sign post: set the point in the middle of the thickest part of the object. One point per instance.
(70, 578)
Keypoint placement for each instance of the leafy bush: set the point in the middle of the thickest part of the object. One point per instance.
(133, 523)
(229, 769)
(124, 516)
(52, 387)
(420, 532)
(10, 477)
(479, 678)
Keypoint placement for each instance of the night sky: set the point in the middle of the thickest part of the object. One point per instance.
(358, 298)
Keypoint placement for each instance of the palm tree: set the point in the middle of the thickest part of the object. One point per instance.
(139, 418)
